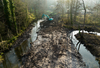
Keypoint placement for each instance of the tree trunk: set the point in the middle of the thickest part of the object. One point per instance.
(84, 16)
(7, 13)
(76, 11)
(71, 17)
(0, 38)
(12, 7)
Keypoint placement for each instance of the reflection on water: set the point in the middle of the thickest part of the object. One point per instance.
(23, 48)
(88, 58)
(34, 30)
(78, 45)
(12, 59)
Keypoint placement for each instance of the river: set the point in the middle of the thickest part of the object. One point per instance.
(88, 58)
(12, 59)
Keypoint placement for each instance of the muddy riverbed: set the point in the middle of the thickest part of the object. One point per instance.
(48, 45)
(92, 43)
(52, 49)
(88, 57)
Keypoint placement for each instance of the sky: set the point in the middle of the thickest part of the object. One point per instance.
(91, 2)
(87, 2)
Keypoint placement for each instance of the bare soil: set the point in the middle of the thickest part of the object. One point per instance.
(52, 49)
(92, 43)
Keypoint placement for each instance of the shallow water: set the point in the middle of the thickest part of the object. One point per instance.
(88, 58)
(12, 59)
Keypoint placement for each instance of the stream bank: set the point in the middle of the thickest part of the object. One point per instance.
(12, 58)
(93, 46)
(25, 35)
(52, 49)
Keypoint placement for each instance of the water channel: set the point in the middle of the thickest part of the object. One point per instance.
(88, 58)
(12, 59)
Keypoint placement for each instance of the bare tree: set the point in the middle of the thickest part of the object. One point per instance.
(84, 15)
(77, 6)
(61, 7)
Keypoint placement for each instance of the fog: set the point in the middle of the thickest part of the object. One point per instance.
(91, 2)
(87, 2)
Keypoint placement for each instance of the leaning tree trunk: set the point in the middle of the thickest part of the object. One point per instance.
(7, 13)
(12, 7)
(1, 6)
(84, 16)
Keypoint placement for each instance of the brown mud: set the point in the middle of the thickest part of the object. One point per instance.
(92, 43)
(52, 49)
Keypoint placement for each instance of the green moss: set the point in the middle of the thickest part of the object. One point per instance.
(1, 58)
(9, 43)
(14, 25)
(7, 13)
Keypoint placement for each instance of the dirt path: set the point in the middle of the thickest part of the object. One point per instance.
(52, 49)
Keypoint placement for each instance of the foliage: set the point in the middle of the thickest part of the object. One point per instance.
(37, 6)
(1, 58)
(14, 19)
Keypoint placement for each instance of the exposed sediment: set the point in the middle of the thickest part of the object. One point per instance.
(93, 46)
(52, 49)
